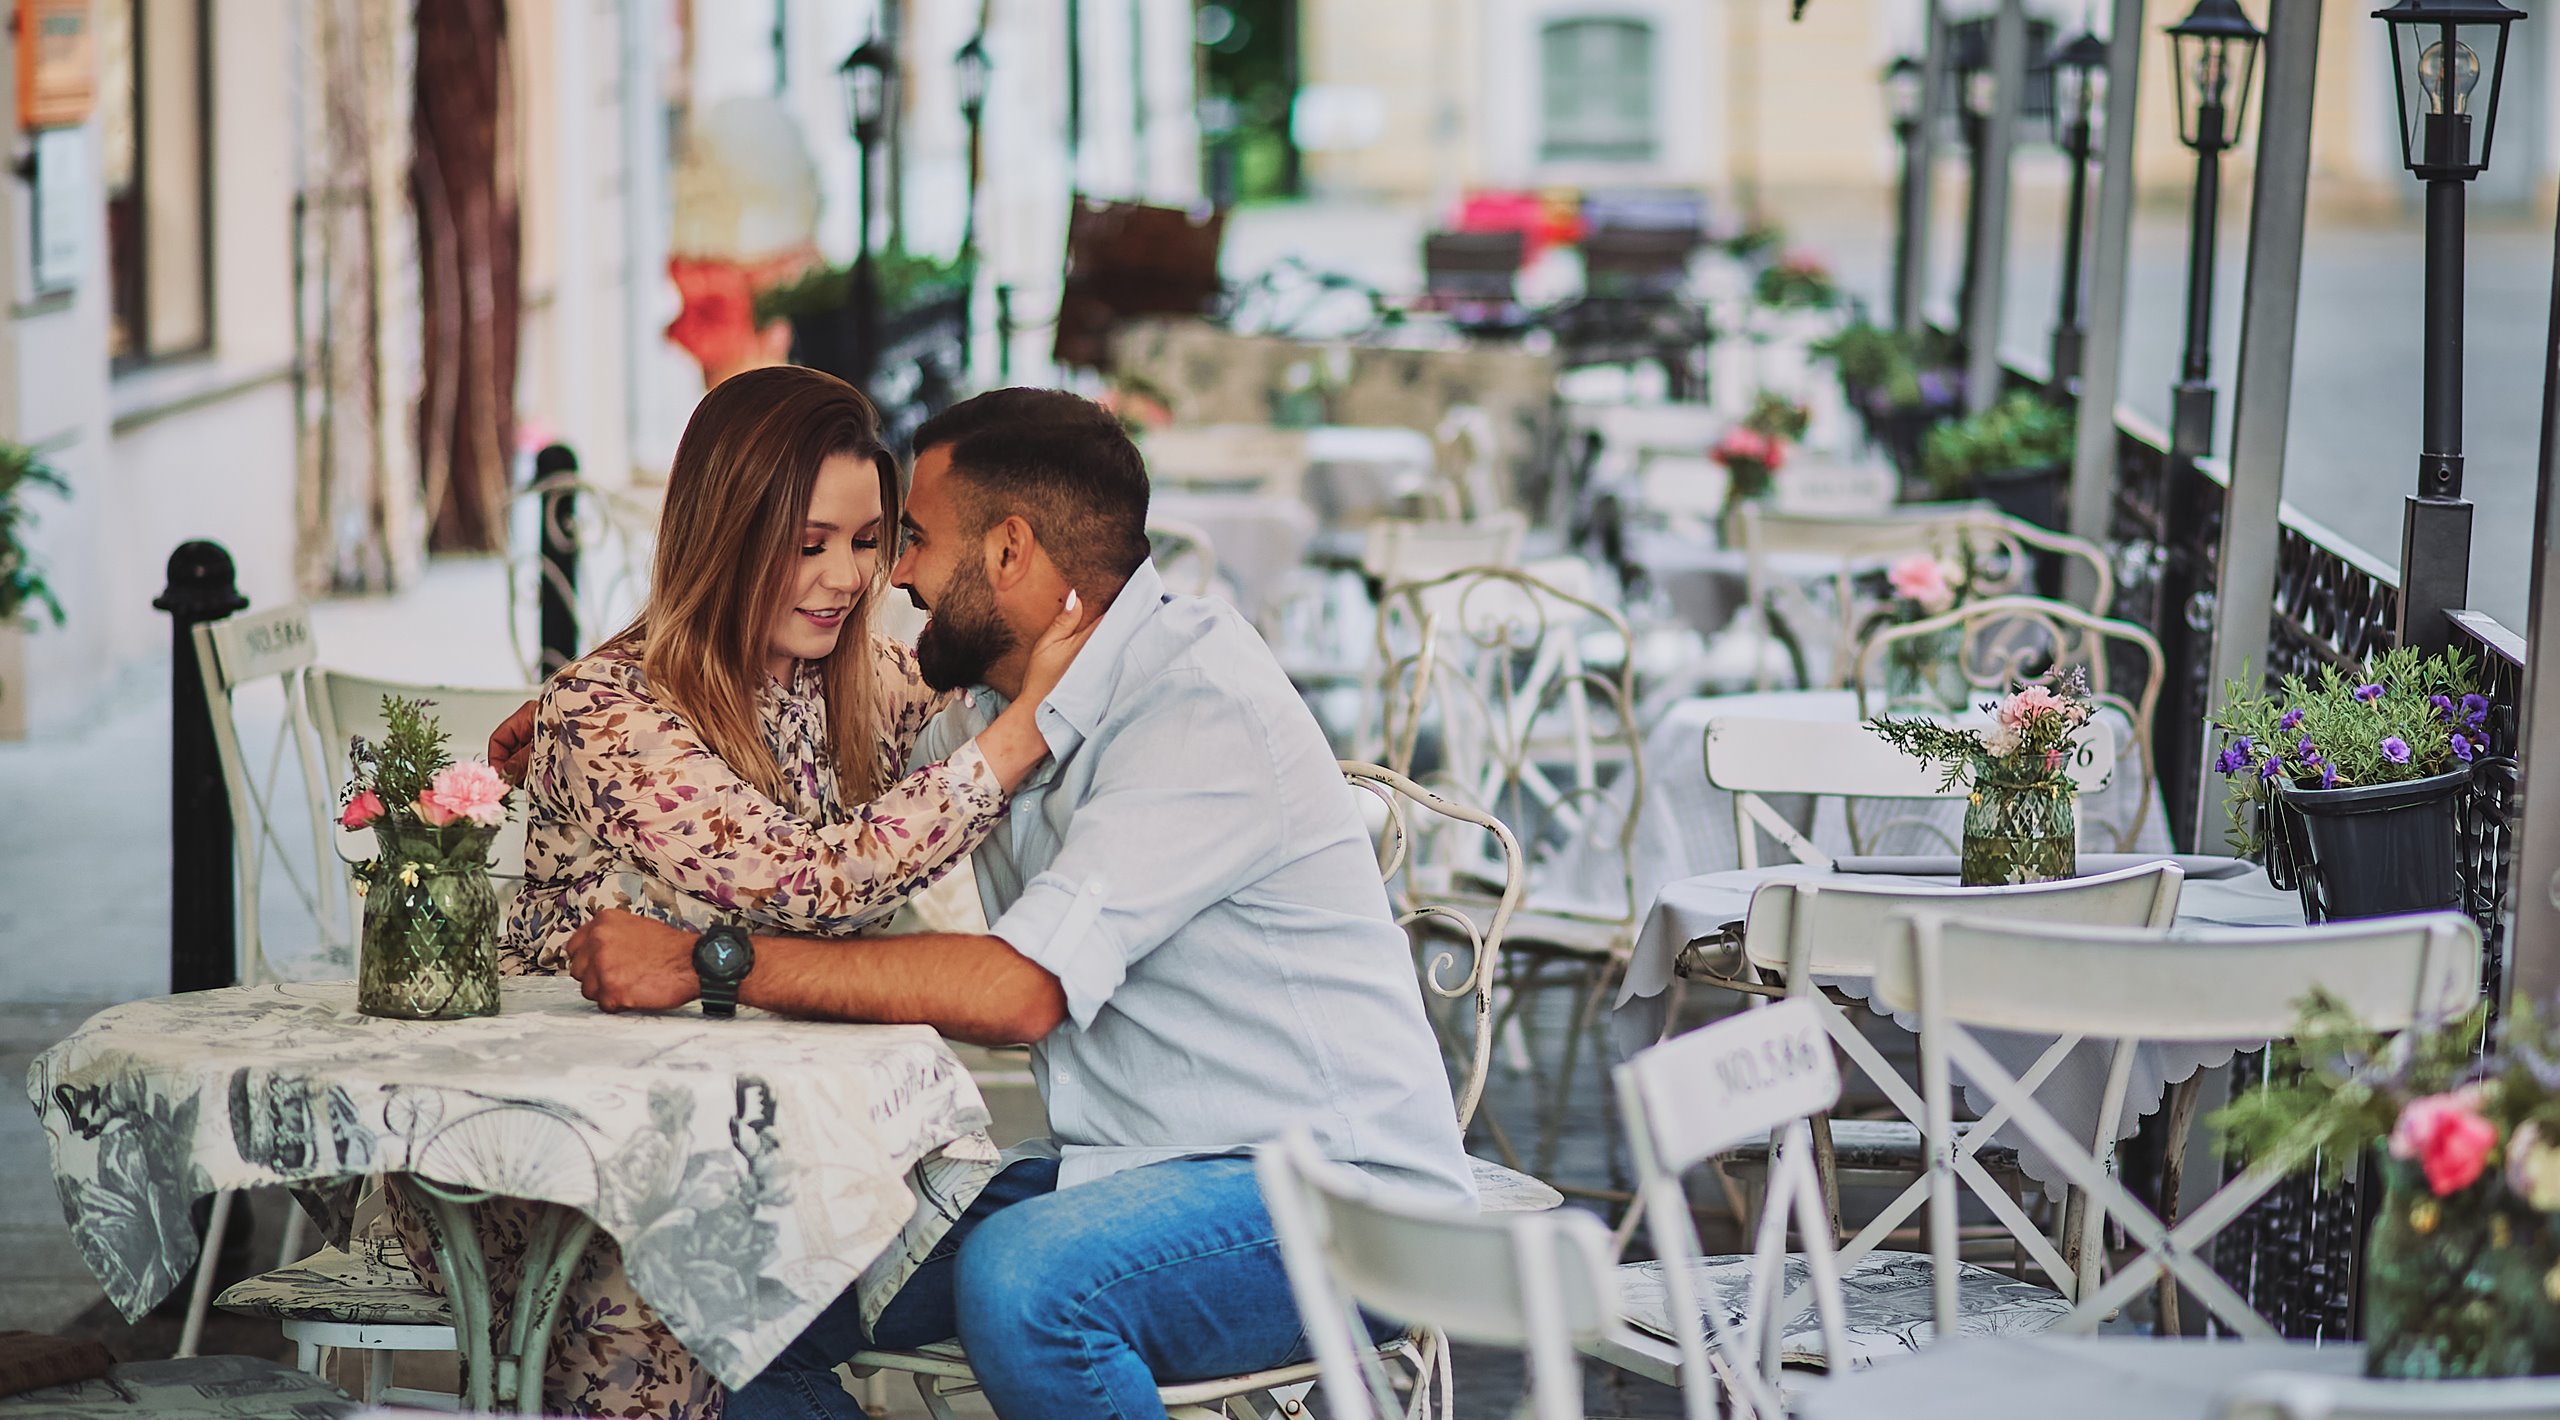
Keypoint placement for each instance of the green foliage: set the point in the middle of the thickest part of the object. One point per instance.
(1778, 417)
(1754, 241)
(2339, 732)
(399, 768)
(2336, 1088)
(1881, 368)
(22, 582)
(2021, 431)
(2040, 741)
(906, 279)
(1790, 285)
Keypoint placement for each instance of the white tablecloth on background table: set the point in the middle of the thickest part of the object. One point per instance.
(1685, 825)
(1257, 538)
(2235, 895)
(750, 1169)
(2083, 1377)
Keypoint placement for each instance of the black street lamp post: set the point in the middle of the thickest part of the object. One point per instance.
(2080, 74)
(1904, 97)
(970, 67)
(2440, 46)
(1974, 82)
(870, 76)
(2215, 59)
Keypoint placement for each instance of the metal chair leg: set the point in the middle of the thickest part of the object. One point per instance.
(200, 1298)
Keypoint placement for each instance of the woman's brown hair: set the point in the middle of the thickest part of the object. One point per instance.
(737, 500)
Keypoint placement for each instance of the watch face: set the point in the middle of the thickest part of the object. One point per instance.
(723, 954)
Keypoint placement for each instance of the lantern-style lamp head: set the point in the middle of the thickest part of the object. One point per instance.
(2215, 49)
(869, 74)
(970, 67)
(2443, 49)
(2079, 81)
(1903, 93)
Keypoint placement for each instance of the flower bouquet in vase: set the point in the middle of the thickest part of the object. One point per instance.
(1751, 461)
(430, 946)
(2021, 821)
(2462, 1268)
(2346, 785)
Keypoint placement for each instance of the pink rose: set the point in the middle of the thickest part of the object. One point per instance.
(2018, 710)
(1923, 579)
(467, 790)
(361, 810)
(2448, 1138)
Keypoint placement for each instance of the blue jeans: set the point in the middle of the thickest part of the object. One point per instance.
(1072, 1303)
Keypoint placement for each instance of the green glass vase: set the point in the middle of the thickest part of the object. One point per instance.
(430, 948)
(2462, 1286)
(2018, 825)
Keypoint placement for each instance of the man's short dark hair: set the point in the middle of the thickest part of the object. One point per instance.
(1062, 464)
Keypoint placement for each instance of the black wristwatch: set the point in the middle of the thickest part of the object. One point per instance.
(722, 957)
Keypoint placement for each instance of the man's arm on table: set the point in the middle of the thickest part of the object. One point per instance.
(971, 988)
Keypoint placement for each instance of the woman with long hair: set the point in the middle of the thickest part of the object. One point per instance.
(738, 754)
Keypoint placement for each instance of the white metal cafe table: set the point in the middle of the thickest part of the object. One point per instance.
(749, 1169)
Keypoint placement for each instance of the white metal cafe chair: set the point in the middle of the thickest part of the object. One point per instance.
(1529, 682)
(1724, 1326)
(1399, 812)
(1539, 1283)
(1756, 757)
(1803, 933)
(362, 1297)
(2307, 1397)
(2131, 985)
(1184, 554)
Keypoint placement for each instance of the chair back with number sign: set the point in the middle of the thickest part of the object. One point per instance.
(1996, 643)
(1539, 1283)
(1753, 757)
(1686, 1101)
(2129, 986)
(1401, 816)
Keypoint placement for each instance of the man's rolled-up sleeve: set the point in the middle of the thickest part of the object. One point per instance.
(1185, 809)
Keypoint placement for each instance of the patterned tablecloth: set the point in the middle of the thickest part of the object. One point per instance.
(749, 1169)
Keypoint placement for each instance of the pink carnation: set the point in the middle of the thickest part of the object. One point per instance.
(2020, 709)
(361, 810)
(2447, 1136)
(467, 790)
(1923, 579)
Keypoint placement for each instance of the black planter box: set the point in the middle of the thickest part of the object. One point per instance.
(2375, 851)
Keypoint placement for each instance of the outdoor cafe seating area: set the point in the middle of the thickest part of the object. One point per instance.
(1679, 636)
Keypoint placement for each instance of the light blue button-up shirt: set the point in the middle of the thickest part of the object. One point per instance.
(1191, 867)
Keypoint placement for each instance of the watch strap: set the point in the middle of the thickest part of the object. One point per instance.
(719, 998)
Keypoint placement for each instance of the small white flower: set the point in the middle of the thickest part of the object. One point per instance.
(408, 875)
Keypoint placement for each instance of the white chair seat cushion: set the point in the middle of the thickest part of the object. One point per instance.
(1885, 1304)
(1502, 1190)
(372, 1285)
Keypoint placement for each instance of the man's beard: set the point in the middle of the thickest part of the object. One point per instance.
(964, 636)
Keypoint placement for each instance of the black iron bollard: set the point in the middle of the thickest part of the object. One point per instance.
(203, 931)
(559, 546)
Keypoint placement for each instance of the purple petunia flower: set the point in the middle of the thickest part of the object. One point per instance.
(2308, 752)
(2272, 768)
(2328, 776)
(2462, 749)
(2441, 705)
(2395, 749)
(2369, 692)
(2475, 709)
(2290, 719)
(2235, 757)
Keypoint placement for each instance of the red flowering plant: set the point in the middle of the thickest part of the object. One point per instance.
(1751, 458)
(2469, 1137)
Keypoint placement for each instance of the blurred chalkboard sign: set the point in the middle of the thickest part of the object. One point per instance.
(1125, 259)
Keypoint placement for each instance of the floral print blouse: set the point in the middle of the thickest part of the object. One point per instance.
(631, 809)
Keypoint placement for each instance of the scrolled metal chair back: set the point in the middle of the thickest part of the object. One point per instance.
(1534, 727)
(608, 535)
(1398, 839)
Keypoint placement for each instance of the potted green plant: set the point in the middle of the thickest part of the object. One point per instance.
(2462, 1268)
(2346, 784)
(1900, 385)
(1797, 281)
(2017, 453)
(819, 305)
(27, 599)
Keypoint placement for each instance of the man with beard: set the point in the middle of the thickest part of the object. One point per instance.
(1188, 929)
